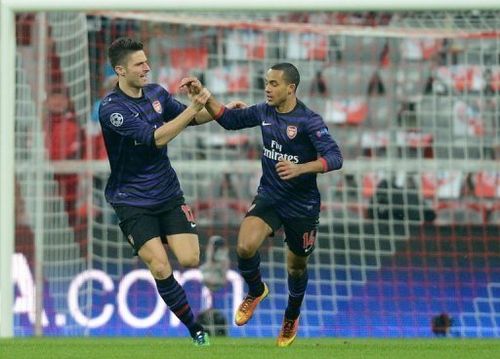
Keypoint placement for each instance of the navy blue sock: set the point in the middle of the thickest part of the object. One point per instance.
(175, 298)
(296, 291)
(250, 271)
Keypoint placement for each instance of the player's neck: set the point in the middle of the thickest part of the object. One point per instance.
(134, 92)
(287, 106)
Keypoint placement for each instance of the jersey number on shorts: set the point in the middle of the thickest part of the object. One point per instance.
(308, 239)
(187, 212)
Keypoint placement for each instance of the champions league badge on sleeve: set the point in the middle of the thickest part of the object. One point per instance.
(157, 106)
(116, 119)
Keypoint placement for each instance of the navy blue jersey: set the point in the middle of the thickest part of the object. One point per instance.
(298, 136)
(141, 173)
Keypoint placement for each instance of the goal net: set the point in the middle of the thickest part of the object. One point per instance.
(408, 229)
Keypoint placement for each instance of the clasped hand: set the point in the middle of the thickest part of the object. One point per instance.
(198, 94)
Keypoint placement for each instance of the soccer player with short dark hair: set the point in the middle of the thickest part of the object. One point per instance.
(138, 121)
(297, 146)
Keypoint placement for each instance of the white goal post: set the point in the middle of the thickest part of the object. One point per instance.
(8, 10)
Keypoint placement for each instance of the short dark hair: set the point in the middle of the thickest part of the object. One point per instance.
(120, 49)
(290, 73)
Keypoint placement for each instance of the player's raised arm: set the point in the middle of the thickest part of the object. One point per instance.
(235, 116)
(165, 133)
(193, 86)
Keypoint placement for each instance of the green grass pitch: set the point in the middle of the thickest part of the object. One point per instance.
(239, 348)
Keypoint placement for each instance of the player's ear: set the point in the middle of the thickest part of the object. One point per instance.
(120, 70)
(291, 89)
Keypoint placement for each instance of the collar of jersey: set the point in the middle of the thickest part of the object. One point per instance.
(123, 94)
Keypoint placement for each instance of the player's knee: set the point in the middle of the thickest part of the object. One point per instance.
(248, 244)
(245, 250)
(296, 271)
(160, 270)
(191, 261)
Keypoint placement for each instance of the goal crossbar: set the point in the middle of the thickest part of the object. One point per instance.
(290, 5)
(322, 29)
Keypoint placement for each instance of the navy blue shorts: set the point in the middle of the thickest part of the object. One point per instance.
(300, 233)
(139, 224)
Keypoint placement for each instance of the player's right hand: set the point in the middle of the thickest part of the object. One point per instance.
(191, 84)
(198, 102)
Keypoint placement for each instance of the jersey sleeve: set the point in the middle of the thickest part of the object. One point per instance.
(172, 107)
(120, 120)
(238, 118)
(328, 150)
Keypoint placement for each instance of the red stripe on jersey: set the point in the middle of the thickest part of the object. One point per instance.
(220, 113)
(324, 163)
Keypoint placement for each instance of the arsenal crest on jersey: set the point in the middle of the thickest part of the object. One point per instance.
(291, 132)
(157, 106)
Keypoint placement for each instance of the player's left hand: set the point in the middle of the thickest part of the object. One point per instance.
(236, 104)
(287, 170)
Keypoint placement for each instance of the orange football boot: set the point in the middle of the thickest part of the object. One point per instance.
(247, 307)
(288, 332)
